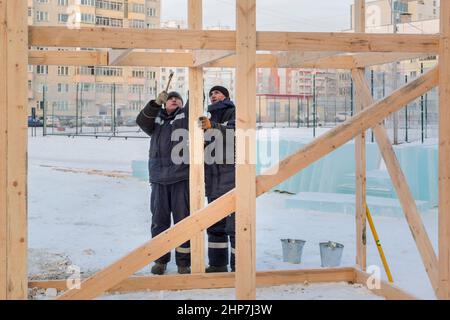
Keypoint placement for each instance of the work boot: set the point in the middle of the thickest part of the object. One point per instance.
(159, 268)
(184, 270)
(212, 269)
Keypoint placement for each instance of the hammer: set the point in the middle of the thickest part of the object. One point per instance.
(170, 80)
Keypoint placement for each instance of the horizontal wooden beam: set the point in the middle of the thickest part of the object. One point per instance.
(347, 42)
(120, 38)
(172, 59)
(186, 59)
(69, 58)
(124, 38)
(386, 290)
(363, 60)
(215, 280)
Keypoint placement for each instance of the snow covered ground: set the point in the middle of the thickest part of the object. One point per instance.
(86, 210)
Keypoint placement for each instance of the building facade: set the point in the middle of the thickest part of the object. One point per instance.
(91, 91)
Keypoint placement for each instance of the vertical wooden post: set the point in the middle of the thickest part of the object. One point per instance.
(3, 144)
(13, 149)
(246, 163)
(444, 153)
(197, 173)
(360, 159)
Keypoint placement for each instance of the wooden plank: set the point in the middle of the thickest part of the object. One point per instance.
(68, 58)
(215, 280)
(16, 151)
(386, 290)
(245, 149)
(347, 42)
(175, 59)
(343, 133)
(123, 38)
(400, 183)
(153, 249)
(3, 148)
(204, 58)
(156, 59)
(115, 56)
(360, 16)
(444, 154)
(363, 60)
(360, 159)
(183, 231)
(196, 138)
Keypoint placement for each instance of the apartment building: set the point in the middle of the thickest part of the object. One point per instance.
(389, 12)
(68, 91)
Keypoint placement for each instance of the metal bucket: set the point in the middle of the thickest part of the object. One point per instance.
(292, 250)
(331, 253)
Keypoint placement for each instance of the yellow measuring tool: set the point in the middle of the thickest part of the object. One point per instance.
(379, 247)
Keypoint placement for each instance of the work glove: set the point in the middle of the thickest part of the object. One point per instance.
(162, 98)
(204, 123)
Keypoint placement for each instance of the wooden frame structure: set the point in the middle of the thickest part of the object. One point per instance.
(224, 49)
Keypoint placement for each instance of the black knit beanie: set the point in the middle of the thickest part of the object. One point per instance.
(221, 89)
(176, 95)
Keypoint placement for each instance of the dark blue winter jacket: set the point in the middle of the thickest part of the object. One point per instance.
(161, 126)
(220, 175)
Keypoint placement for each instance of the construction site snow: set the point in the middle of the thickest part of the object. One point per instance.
(86, 210)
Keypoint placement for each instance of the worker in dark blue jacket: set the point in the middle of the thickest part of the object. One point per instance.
(220, 174)
(169, 170)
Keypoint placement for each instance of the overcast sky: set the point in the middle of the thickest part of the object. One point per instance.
(276, 15)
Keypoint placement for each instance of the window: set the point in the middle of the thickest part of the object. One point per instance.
(137, 7)
(136, 88)
(135, 105)
(109, 5)
(151, 90)
(63, 3)
(151, 12)
(61, 105)
(138, 74)
(151, 75)
(63, 87)
(63, 71)
(90, 71)
(90, 3)
(63, 18)
(108, 72)
(87, 18)
(40, 69)
(137, 24)
(106, 21)
(42, 16)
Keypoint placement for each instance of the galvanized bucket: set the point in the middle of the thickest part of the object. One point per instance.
(292, 250)
(331, 253)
